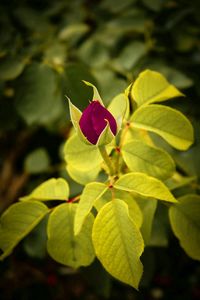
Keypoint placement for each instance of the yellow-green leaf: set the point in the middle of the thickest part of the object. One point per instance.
(17, 221)
(185, 222)
(133, 208)
(153, 161)
(167, 122)
(52, 189)
(82, 176)
(80, 155)
(62, 245)
(151, 87)
(91, 193)
(144, 185)
(118, 242)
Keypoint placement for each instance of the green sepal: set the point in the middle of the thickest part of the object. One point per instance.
(106, 136)
(96, 95)
(75, 115)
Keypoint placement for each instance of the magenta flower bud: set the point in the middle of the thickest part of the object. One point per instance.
(94, 120)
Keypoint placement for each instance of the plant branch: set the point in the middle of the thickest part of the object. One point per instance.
(107, 159)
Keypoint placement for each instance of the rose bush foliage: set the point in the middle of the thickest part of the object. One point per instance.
(114, 155)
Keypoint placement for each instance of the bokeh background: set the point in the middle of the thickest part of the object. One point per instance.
(47, 48)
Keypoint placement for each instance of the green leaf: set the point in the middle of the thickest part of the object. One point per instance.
(169, 123)
(130, 55)
(116, 6)
(148, 208)
(52, 189)
(161, 228)
(91, 193)
(133, 208)
(144, 185)
(93, 51)
(37, 161)
(179, 181)
(174, 76)
(185, 222)
(38, 95)
(11, 67)
(17, 221)
(82, 176)
(80, 155)
(153, 161)
(151, 87)
(118, 243)
(73, 31)
(35, 243)
(154, 5)
(62, 245)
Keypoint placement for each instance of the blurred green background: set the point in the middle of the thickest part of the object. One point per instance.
(46, 49)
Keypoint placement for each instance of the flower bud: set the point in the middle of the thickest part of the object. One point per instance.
(93, 121)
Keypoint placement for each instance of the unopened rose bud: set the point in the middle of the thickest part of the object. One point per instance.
(94, 120)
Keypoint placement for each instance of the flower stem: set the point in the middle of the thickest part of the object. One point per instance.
(107, 160)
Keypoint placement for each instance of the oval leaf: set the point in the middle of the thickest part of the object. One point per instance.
(169, 123)
(17, 221)
(80, 155)
(185, 222)
(52, 189)
(151, 87)
(141, 157)
(91, 193)
(118, 243)
(81, 176)
(62, 245)
(144, 185)
(133, 208)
